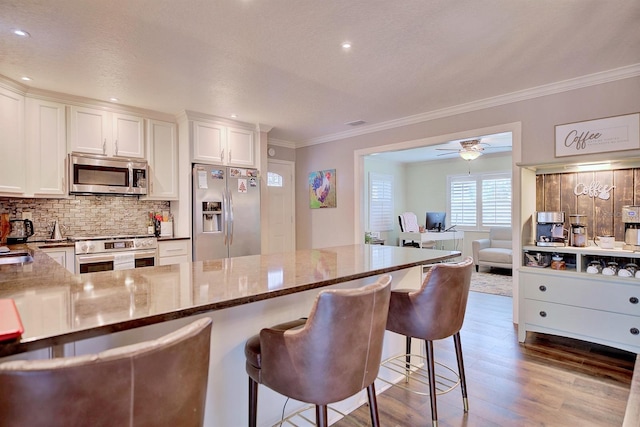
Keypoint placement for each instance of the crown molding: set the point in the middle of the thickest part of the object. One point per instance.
(281, 143)
(261, 127)
(522, 95)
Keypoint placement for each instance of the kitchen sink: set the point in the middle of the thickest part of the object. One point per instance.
(15, 257)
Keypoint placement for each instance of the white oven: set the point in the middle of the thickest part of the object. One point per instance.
(115, 253)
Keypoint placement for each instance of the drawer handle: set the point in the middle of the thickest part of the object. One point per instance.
(633, 300)
(634, 331)
(542, 288)
(543, 314)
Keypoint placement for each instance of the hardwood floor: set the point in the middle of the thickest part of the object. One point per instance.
(548, 381)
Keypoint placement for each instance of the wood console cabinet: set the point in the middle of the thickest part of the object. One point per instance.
(576, 304)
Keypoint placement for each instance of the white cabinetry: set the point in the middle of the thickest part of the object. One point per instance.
(46, 148)
(162, 146)
(220, 144)
(573, 303)
(173, 251)
(64, 256)
(44, 311)
(13, 175)
(100, 132)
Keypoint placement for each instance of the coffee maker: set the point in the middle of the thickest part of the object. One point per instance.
(550, 229)
(578, 230)
(631, 219)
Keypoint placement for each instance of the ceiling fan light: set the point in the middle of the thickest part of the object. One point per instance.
(470, 154)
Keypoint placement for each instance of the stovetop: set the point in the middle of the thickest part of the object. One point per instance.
(102, 244)
(116, 237)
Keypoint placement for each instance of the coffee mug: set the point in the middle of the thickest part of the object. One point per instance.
(606, 242)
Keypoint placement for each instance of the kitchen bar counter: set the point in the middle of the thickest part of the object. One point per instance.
(101, 303)
(83, 314)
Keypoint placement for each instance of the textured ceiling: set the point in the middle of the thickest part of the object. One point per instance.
(280, 62)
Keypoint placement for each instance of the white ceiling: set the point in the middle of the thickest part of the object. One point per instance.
(490, 144)
(280, 63)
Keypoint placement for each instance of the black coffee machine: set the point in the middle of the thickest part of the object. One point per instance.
(550, 229)
(21, 230)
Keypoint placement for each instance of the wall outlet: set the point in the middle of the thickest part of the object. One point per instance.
(27, 215)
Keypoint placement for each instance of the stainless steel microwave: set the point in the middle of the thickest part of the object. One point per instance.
(107, 175)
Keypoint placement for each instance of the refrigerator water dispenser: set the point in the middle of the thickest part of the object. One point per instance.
(211, 217)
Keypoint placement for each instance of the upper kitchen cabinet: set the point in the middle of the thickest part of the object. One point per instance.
(219, 144)
(100, 132)
(46, 148)
(162, 146)
(13, 172)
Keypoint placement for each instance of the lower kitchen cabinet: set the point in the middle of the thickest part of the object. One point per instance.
(63, 256)
(573, 303)
(173, 251)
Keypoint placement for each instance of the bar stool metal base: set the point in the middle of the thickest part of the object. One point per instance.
(447, 379)
(306, 417)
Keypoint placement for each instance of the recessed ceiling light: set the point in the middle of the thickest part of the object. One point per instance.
(346, 45)
(112, 99)
(234, 116)
(25, 78)
(21, 33)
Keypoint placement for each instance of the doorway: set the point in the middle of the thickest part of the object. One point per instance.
(281, 211)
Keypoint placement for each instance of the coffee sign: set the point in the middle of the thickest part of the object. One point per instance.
(598, 136)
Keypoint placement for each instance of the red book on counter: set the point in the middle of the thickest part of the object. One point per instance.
(10, 323)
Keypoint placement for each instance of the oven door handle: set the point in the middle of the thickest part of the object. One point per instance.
(85, 259)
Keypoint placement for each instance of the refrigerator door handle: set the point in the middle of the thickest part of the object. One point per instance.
(231, 216)
(225, 209)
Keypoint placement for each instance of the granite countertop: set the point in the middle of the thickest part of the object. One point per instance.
(93, 304)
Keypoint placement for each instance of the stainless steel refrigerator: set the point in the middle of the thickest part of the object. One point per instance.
(226, 212)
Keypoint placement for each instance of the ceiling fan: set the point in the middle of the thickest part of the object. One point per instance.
(470, 149)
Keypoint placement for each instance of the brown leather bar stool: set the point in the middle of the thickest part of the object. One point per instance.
(327, 358)
(433, 312)
(154, 383)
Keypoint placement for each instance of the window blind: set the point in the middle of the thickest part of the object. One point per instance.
(380, 202)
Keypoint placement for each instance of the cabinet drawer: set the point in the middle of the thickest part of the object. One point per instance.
(591, 325)
(584, 292)
(173, 248)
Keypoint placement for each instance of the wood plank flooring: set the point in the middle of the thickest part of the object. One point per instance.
(548, 381)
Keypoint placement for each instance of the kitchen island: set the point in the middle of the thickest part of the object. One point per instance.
(79, 314)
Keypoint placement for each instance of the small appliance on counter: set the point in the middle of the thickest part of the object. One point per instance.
(56, 234)
(631, 219)
(21, 230)
(578, 230)
(550, 229)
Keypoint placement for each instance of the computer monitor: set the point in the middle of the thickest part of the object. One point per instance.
(435, 221)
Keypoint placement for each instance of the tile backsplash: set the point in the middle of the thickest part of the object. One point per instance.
(85, 215)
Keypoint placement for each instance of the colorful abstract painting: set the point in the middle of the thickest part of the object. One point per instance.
(322, 189)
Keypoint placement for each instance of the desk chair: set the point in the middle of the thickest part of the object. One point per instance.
(154, 383)
(330, 356)
(409, 223)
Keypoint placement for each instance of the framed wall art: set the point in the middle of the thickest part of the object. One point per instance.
(322, 189)
(598, 136)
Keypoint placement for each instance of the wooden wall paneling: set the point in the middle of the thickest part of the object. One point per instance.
(585, 203)
(568, 201)
(622, 195)
(636, 187)
(554, 192)
(540, 193)
(603, 208)
(551, 194)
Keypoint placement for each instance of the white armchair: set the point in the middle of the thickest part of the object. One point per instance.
(496, 251)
